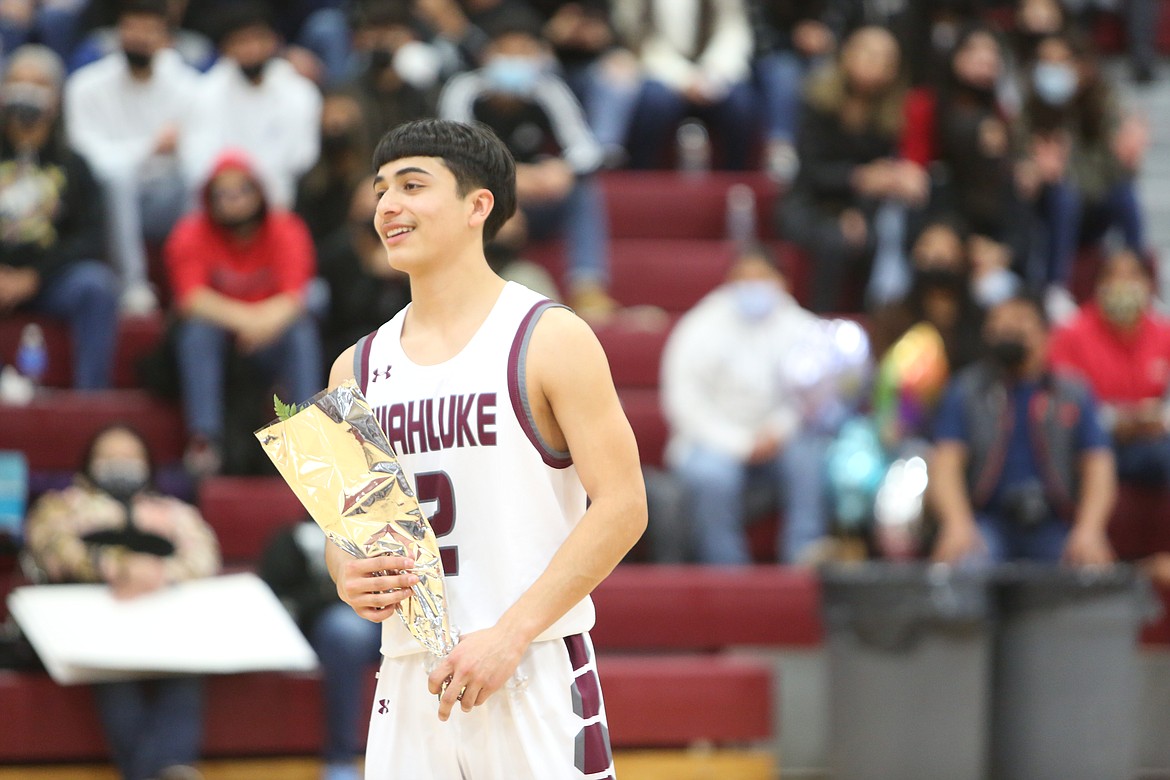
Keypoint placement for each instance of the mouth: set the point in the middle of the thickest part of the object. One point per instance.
(393, 232)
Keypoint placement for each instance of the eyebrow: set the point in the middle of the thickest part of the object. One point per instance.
(379, 178)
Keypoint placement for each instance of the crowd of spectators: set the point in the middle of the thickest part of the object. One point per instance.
(942, 165)
(934, 161)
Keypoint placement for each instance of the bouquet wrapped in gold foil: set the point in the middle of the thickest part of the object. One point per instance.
(336, 458)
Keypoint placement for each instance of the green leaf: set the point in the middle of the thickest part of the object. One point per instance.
(283, 410)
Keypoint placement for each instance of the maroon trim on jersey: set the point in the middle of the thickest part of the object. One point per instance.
(364, 346)
(518, 391)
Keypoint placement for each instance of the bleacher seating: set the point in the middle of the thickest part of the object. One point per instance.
(662, 633)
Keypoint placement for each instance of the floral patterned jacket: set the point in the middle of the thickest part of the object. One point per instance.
(58, 522)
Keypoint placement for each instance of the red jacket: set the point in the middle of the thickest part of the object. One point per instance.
(1121, 368)
(279, 258)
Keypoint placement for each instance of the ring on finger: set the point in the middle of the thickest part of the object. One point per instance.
(462, 691)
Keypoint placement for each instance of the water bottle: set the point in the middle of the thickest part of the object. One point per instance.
(741, 214)
(32, 356)
(694, 147)
(13, 493)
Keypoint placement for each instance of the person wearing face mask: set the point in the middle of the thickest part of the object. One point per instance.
(1083, 155)
(51, 226)
(1021, 468)
(112, 526)
(399, 75)
(733, 420)
(253, 100)
(1121, 346)
(519, 96)
(125, 114)
(323, 194)
(240, 269)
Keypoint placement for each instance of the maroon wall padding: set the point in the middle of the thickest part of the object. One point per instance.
(246, 512)
(642, 607)
(658, 701)
(53, 430)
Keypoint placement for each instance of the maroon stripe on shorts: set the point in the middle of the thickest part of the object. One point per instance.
(587, 692)
(592, 751)
(578, 650)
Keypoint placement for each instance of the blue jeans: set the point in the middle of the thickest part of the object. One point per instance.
(141, 209)
(608, 101)
(84, 294)
(780, 76)
(326, 32)
(581, 215)
(348, 647)
(152, 724)
(660, 109)
(1071, 221)
(1009, 541)
(55, 26)
(294, 360)
(1145, 462)
(715, 485)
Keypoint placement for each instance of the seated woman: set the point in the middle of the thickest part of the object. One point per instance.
(112, 527)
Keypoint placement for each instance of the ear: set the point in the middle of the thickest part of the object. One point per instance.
(482, 202)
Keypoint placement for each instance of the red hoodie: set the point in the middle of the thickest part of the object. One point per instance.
(279, 258)
(1121, 369)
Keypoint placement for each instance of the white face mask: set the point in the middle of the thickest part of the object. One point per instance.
(995, 287)
(755, 299)
(120, 477)
(1055, 83)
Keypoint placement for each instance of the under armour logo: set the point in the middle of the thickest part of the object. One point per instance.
(383, 706)
(376, 374)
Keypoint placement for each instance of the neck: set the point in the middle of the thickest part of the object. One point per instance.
(244, 231)
(141, 74)
(444, 295)
(29, 139)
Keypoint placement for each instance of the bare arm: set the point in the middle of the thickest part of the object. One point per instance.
(947, 494)
(1087, 542)
(575, 403)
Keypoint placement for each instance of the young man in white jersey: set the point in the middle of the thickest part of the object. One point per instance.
(501, 406)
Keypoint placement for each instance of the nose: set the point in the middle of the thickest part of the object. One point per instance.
(388, 204)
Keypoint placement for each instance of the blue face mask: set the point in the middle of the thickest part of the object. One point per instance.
(513, 75)
(755, 299)
(1055, 83)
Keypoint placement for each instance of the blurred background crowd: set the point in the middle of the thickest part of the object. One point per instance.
(209, 162)
(960, 358)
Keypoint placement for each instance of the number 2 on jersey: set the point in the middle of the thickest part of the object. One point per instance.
(435, 487)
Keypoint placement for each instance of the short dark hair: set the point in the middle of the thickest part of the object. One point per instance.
(364, 14)
(513, 20)
(1028, 300)
(240, 15)
(144, 8)
(471, 151)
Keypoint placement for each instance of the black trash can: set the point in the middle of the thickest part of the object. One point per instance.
(1065, 695)
(909, 653)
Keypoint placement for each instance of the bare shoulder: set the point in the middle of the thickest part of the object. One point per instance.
(563, 345)
(342, 367)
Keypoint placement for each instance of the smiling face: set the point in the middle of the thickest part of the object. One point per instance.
(422, 217)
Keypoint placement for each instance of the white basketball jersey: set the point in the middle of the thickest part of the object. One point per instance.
(499, 499)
